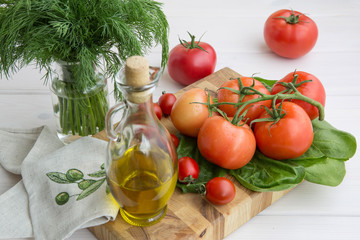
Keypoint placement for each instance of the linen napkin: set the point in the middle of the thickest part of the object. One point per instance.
(63, 187)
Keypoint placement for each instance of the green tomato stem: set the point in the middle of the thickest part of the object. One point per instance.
(296, 95)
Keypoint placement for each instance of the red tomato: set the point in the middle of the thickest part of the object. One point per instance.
(188, 169)
(175, 140)
(191, 61)
(166, 102)
(255, 109)
(157, 111)
(314, 90)
(188, 116)
(220, 190)
(290, 34)
(289, 138)
(225, 144)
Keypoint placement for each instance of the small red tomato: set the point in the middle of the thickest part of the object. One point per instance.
(166, 102)
(175, 140)
(188, 169)
(158, 111)
(220, 190)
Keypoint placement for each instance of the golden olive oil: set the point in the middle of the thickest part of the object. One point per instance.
(142, 182)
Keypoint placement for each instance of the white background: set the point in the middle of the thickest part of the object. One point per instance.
(235, 29)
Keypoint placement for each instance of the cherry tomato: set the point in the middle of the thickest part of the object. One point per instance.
(290, 34)
(175, 140)
(191, 61)
(166, 102)
(157, 110)
(254, 110)
(314, 90)
(225, 144)
(188, 116)
(289, 138)
(220, 190)
(188, 169)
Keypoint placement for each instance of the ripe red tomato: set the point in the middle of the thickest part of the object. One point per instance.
(314, 90)
(289, 138)
(220, 190)
(188, 116)
(191, 61)
(166, 102)
(225, 144)
(188, 169)
(290, 34)
(254, 110)
(157, 111)
(175, 140)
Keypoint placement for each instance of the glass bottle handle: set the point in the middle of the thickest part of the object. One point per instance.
(109, 129)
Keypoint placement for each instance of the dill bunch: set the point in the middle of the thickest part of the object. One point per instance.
(81, 35)
(103, 33)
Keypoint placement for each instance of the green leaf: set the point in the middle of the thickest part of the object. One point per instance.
(267, 83)
(324, 171)
(58, 177)
(98, 174)
(332, 142)
(312, 153)
(265, 174)
(188, 147)
(90, 189)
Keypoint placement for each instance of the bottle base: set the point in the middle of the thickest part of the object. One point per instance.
(142, 221)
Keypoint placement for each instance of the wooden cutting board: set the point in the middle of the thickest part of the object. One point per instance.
(190, 216)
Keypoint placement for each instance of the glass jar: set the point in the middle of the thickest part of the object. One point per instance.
(141, 165)
(79, 110)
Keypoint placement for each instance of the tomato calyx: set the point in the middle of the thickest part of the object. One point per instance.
(193, 44)
(275, 113)
(210, 106)
(292, 19)
(188, 180)
(292, 86)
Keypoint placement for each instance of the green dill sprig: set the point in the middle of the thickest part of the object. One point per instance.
(102, 33)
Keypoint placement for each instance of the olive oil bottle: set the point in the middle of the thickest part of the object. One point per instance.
(141, 165)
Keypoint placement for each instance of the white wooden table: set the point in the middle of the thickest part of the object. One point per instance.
(235, 29)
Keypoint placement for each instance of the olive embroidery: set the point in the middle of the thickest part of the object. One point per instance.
(75, 176)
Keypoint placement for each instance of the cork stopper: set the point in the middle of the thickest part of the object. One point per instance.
(137, 71)
(137, 75)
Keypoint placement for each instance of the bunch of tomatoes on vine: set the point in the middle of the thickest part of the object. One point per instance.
(244, 114)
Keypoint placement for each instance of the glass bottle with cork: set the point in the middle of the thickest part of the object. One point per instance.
(141, 166)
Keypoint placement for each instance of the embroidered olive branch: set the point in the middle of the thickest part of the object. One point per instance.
(75, 176)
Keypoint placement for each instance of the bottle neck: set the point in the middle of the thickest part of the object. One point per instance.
(140, 112)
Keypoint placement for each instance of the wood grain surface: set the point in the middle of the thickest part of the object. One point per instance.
(190, 216)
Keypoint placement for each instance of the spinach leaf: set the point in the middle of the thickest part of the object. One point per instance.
(188, 147)
(324, 171)
(323, 163)
(265, 174)
(312, 153)
(267, 83)
(332, 142)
